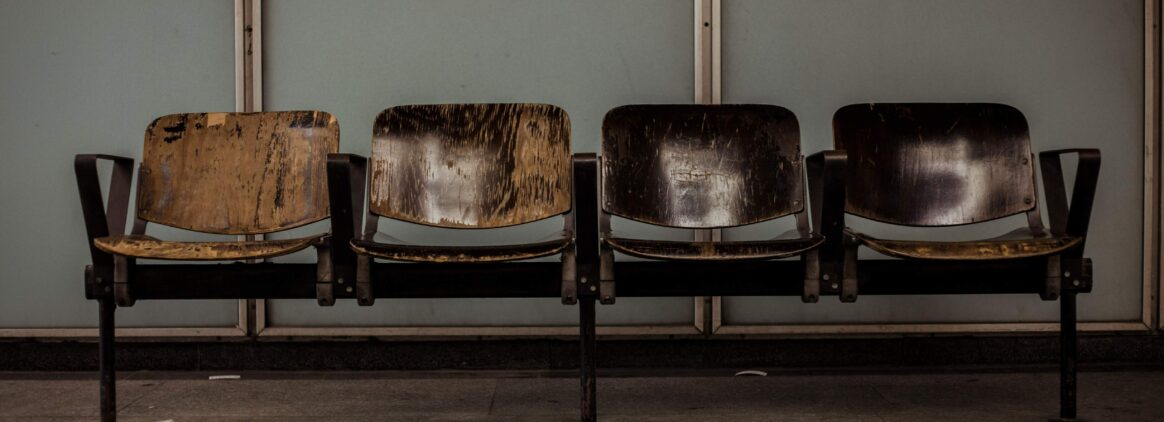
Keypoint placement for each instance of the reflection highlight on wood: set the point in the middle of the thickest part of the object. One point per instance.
(701, 166)
(471, 165)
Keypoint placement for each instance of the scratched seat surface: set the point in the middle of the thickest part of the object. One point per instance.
(231, 173)
(702, 167)
(469, 166)
(141, 246)
(943, 164)
(1021, 243)
(713, 251)
(390, 248)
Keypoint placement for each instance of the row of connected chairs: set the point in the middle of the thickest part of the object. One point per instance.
(486, 166)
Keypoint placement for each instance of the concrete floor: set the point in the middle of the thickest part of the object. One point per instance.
(1126, 395)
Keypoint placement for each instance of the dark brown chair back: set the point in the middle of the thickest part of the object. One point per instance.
(701, 166)
(237, 173)
(471, 165)
(936, 164)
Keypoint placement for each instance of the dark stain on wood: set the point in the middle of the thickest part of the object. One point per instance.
(471, 165)
(141, 246)
(237, 173)
(399, 251)
(714, 251)
(701, 166)
(1021, 244)
(936, 164)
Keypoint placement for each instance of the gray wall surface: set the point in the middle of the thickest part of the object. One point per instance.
(82, 77)
(1075, 69)
(87, 77)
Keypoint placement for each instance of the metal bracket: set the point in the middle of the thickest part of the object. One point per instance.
(849, 278)
(606, 277)
(121, 293)
(1054, 284)
(364, 294)
(569, 282)
(325, 274)
(812, 276)
(1076, 275)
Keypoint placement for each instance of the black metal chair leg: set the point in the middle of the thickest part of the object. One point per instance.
(588, 335)
(106, 357)
(1068, 354)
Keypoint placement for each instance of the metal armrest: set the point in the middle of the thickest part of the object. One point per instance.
(1071, 220)
(103, 217)
(585, 210)
(346, 179)
(826, 186)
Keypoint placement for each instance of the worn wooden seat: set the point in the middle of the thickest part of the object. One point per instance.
(1021, 243)
(386, 247)
(466, 166)
(713, 251)
(226, 173)
(702, 167)
(148, 247)
(942, 164)
(239, 174)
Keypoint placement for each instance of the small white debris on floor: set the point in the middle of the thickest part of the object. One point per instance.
(752, 373)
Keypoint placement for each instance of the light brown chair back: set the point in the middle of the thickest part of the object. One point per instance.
(701, 166)
(935, 164)
(236, 173)
(471, 165)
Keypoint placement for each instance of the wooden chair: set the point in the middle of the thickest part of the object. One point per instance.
(707, 167)
(464, 166)
(925, 164)
(221, 173)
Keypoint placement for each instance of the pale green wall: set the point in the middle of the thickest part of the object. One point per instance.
(83, 76)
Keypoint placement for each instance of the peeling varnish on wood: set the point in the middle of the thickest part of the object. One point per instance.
(140, 246)
(462, 254)
(237, 173)
(971, 250)
(471, 165)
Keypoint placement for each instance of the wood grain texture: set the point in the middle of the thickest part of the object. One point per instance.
(1010, 247)
(471, 165)
(713, 251)
(399, 251)
(237, 173)
(935, 164)
(141, 246)
(701, 166)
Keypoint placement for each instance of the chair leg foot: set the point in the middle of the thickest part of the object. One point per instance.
(587, 371)
(1068, 354)
(106, 360)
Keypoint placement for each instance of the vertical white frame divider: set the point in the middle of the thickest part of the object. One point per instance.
(707, 91)
(248, 97)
